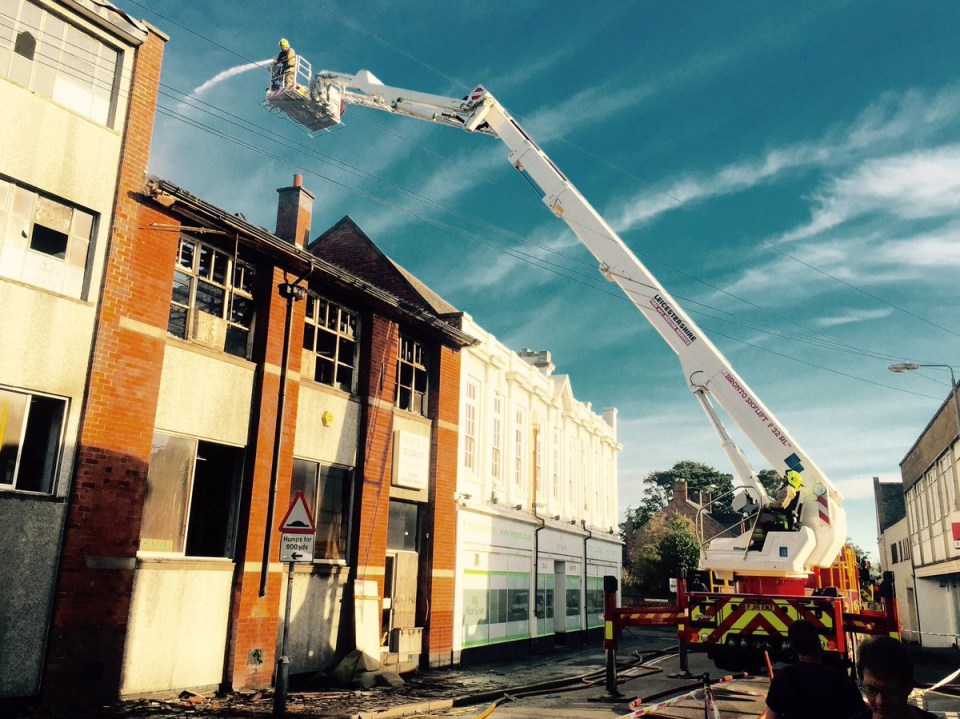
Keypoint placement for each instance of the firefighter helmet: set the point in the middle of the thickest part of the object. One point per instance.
(284, 44)
(793, 479)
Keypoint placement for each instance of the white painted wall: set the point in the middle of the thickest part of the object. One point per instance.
(46, 337)
(899, 533)
(205, 394)
(576, 442)
(177, 629)
(316, 605)
(335, 442)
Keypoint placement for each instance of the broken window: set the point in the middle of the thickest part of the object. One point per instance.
(402, 525)
(193, 494)
(328, 491)
(212, 298)
(330, 342)
(45, 242)
(31, 430)
(57, 60)
(412, 376)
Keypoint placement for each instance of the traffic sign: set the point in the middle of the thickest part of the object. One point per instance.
(296, 547)
(298, 519)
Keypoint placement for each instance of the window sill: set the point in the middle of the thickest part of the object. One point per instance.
(322, 567)
(25, 495)
(330, 389)
(156, 560)
(192, 346)
(411, 414)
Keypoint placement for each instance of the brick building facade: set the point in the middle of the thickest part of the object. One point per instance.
(78, 86)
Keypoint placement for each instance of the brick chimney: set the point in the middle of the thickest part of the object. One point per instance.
(294, 209)
(679, 492)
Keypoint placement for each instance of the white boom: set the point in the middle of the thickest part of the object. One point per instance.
(707, 372)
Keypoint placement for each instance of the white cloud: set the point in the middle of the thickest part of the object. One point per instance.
(853, 316)
(939, 249)
(908, 186)
(892, 120)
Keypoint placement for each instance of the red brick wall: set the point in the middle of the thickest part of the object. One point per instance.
(88, 625)
(375, 460)
(346, 246)
(254, 618)
(437, 565)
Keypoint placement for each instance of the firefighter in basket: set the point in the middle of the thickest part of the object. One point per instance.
(775, 515)
(284, 67)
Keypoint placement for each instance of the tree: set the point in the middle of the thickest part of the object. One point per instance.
(663, 549)
(659, 484)
(770, 480)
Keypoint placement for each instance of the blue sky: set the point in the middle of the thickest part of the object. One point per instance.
(791, 173)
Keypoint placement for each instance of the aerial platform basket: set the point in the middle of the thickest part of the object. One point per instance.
(304, 101)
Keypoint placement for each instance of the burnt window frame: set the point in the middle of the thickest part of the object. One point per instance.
(226, 273)
(340, 333)
(413, 376)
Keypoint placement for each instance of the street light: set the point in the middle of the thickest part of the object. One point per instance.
(910, 366)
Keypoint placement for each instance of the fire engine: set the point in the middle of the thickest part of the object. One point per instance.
(801, 569)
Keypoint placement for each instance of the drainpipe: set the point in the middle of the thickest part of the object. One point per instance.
(291, 293)
(536, 562)
(586, 623)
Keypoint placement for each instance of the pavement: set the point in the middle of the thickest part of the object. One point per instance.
(568, 682)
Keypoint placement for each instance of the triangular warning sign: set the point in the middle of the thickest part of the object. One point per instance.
(297, 519)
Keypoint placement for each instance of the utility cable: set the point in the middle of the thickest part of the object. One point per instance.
(513, 252)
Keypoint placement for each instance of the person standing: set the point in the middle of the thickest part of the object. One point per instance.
(810, 688)
(885, 671)
(284, 67)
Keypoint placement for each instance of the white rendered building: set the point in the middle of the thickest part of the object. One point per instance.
(537, 498)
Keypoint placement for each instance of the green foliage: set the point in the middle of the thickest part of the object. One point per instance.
(657, 547)
(665, 547)
(770, 480)
(658, 489)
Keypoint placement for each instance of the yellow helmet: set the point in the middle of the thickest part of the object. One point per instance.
(793, 479)
(284, 44)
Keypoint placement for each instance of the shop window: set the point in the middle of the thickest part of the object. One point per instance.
(328, 491)
(402, 526)
(31, 435)
(193, 493)
(212, 300)
(330, 342)
(544, 606)
(45, 242)
(412, 376)
(57, 60)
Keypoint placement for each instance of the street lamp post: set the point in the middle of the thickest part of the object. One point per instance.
(910, 366)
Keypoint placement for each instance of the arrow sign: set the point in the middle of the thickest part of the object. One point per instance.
(296, 547)
(298, 519)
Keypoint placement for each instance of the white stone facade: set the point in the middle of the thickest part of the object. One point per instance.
(537, 497)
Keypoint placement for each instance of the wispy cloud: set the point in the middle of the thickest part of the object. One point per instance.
(909, 186)
(886, 126)
(853, 316)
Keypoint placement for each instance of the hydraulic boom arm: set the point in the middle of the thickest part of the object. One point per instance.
(708, 374)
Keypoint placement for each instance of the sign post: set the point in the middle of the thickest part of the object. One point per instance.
(297, 532)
